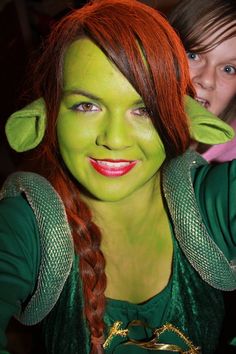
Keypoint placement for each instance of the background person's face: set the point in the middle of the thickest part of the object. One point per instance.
(214, 75)
(106, 138)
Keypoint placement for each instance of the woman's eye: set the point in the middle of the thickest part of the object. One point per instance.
(192, 56)
(141, 112)
(85, 107)
(230, 69)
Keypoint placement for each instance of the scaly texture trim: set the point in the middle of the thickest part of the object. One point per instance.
(199, 248)
(57, 250)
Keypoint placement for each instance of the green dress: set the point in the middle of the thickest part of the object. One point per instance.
(188, 303)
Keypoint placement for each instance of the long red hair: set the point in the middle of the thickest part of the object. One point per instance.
(140, 42)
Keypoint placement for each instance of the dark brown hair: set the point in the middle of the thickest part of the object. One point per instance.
(194, 21)
(127, 31)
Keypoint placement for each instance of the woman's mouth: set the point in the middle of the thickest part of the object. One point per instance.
(203, 102)
(112, 168)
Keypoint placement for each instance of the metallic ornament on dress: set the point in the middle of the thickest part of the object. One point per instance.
(153, 342)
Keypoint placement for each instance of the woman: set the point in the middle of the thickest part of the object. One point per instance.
(110, 253)
(208, 32)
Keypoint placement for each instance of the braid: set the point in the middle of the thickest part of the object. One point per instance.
(87, 240)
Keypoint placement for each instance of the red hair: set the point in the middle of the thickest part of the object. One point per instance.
(147, 51)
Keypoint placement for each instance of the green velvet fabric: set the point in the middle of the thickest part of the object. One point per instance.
(187, 302)
(64, 328)
(19, 258)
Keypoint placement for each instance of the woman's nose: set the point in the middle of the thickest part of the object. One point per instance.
(115, 133)
(205, 77)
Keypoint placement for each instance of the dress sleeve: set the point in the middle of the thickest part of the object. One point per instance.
(215, 191)
(19, 259)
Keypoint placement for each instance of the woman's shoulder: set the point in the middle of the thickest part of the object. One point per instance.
(19, 236)
(215, 177)
(17, 216)
(44, 207)
(201, 202)
(16, 209)
(18, 221)
(215, 192)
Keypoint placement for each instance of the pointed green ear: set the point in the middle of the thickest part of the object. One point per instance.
(205, 127)
(25, 128)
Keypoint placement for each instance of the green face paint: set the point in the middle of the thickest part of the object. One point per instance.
(106, 138)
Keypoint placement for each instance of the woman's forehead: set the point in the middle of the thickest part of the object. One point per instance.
(86, 67)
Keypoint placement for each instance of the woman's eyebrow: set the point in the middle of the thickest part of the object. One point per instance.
(91, 96)
(81, 92)
(138, 101)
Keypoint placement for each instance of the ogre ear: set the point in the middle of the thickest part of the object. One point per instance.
(205, 127)
(25, 128)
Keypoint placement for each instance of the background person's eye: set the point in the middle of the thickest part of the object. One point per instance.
(192, 55)
(230, 69)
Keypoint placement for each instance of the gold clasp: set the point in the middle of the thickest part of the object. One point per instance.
(115, 331)
(153, 342)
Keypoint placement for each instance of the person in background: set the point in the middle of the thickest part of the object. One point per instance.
(207, 29)
(114, 242)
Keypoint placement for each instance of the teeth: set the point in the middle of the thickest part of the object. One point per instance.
(113, 164)
(203, 102)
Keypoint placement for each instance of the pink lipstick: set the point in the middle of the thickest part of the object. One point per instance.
(113, 168)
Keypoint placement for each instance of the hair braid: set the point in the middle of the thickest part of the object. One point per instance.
(87, 240)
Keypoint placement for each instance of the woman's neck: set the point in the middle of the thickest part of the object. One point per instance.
(129, 216)
(136, 243)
